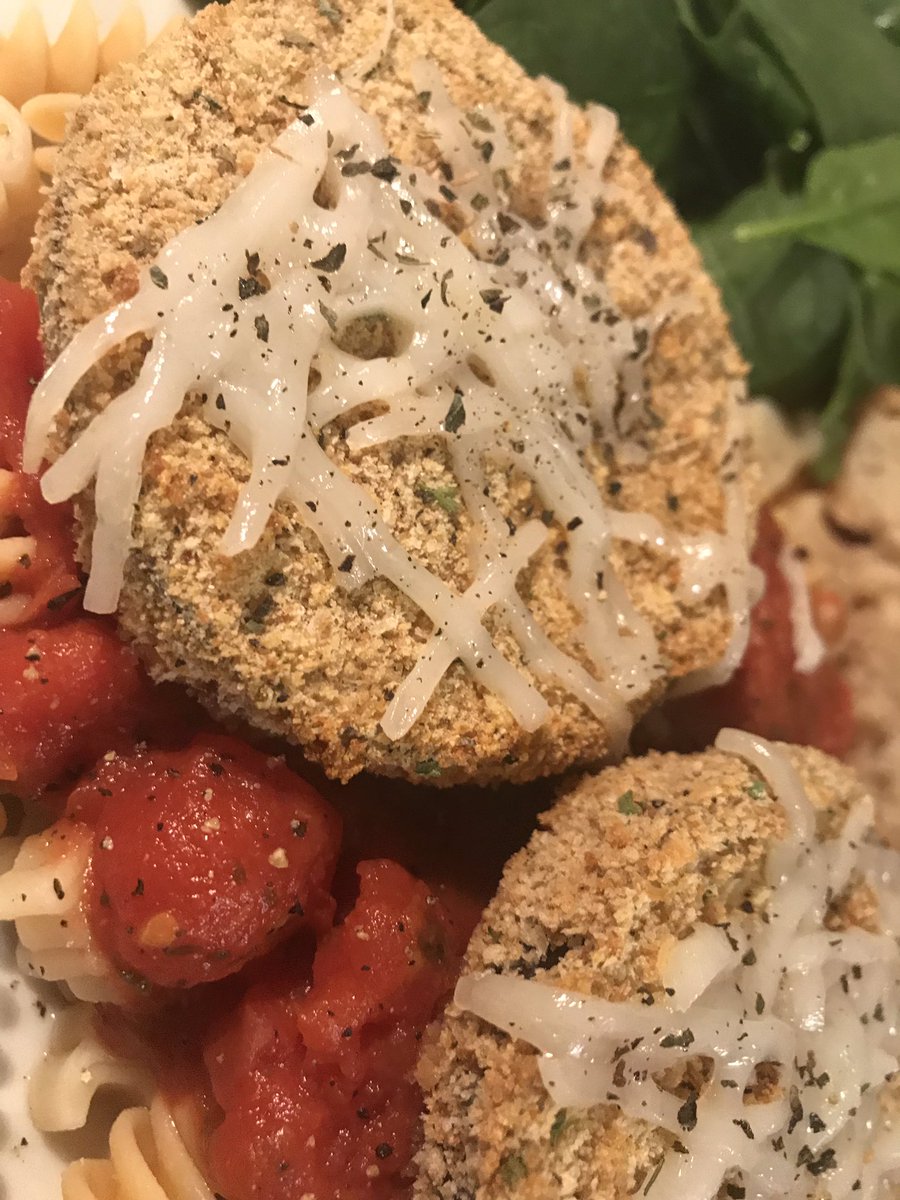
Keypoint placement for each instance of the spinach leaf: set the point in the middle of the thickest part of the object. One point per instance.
(848, 70)
(628, 54)
(886, 15)
(788, 303)
(769, 97)
(870, 358)
(851, 206)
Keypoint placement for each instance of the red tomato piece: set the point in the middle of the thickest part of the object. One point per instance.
(386, 975)
(21, 366)
(326, 1102)
(67, 695)
(767, 695)
(204, 858)
(39, 582)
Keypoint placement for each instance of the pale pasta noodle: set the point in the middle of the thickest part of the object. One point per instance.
(125, 40)
(43, 893)
(48, 114)
(30, 65)
(74, 59)
(40, 86)
(45, 159)
(74, 1068)
(148, 1159)
(24, 58)
(19, 189)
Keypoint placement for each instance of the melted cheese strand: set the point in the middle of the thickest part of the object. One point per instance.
(778, 772)
(780, 988)
(809, 649)
(515, 356)
(491, 586)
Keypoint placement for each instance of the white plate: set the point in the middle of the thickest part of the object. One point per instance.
(30, 1162)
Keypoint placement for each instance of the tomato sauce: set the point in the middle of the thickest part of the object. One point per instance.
(67, 695)
(21, 366)
(39, 582)
(767, 695)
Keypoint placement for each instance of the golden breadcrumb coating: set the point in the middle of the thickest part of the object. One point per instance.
(592, 904)
(158, 146)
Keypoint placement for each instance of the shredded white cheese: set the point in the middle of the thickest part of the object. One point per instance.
(809, 649)
(778, 990)
(514, 351)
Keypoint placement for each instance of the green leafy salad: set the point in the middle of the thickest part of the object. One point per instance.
(774, 125)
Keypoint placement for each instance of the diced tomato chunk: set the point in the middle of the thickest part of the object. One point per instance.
(383, 976)
(326, 1103)
(204, 858)
(767, 694)
(67, 695)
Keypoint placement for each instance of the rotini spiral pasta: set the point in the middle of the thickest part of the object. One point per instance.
(20, 196)
(30, 64)
(40, 85)
(74, 1068)
(149, 1159)
(43, 894)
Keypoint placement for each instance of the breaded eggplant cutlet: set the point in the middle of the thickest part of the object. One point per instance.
(271, 635)
(665, 885)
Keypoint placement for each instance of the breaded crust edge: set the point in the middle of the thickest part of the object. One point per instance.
(591, 904)
(158, 146)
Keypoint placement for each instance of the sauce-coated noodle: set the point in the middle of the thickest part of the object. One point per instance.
(43, 892)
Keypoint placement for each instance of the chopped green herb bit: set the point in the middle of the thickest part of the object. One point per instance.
(429, 767)
(654, 1175)
(560, 1121)
(756, 789)
(628, 806)
(159, 277)
(679, 1041)
(513, 1169)
(333, 260)
(328, 10)
(446, 498)
(456, 414)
